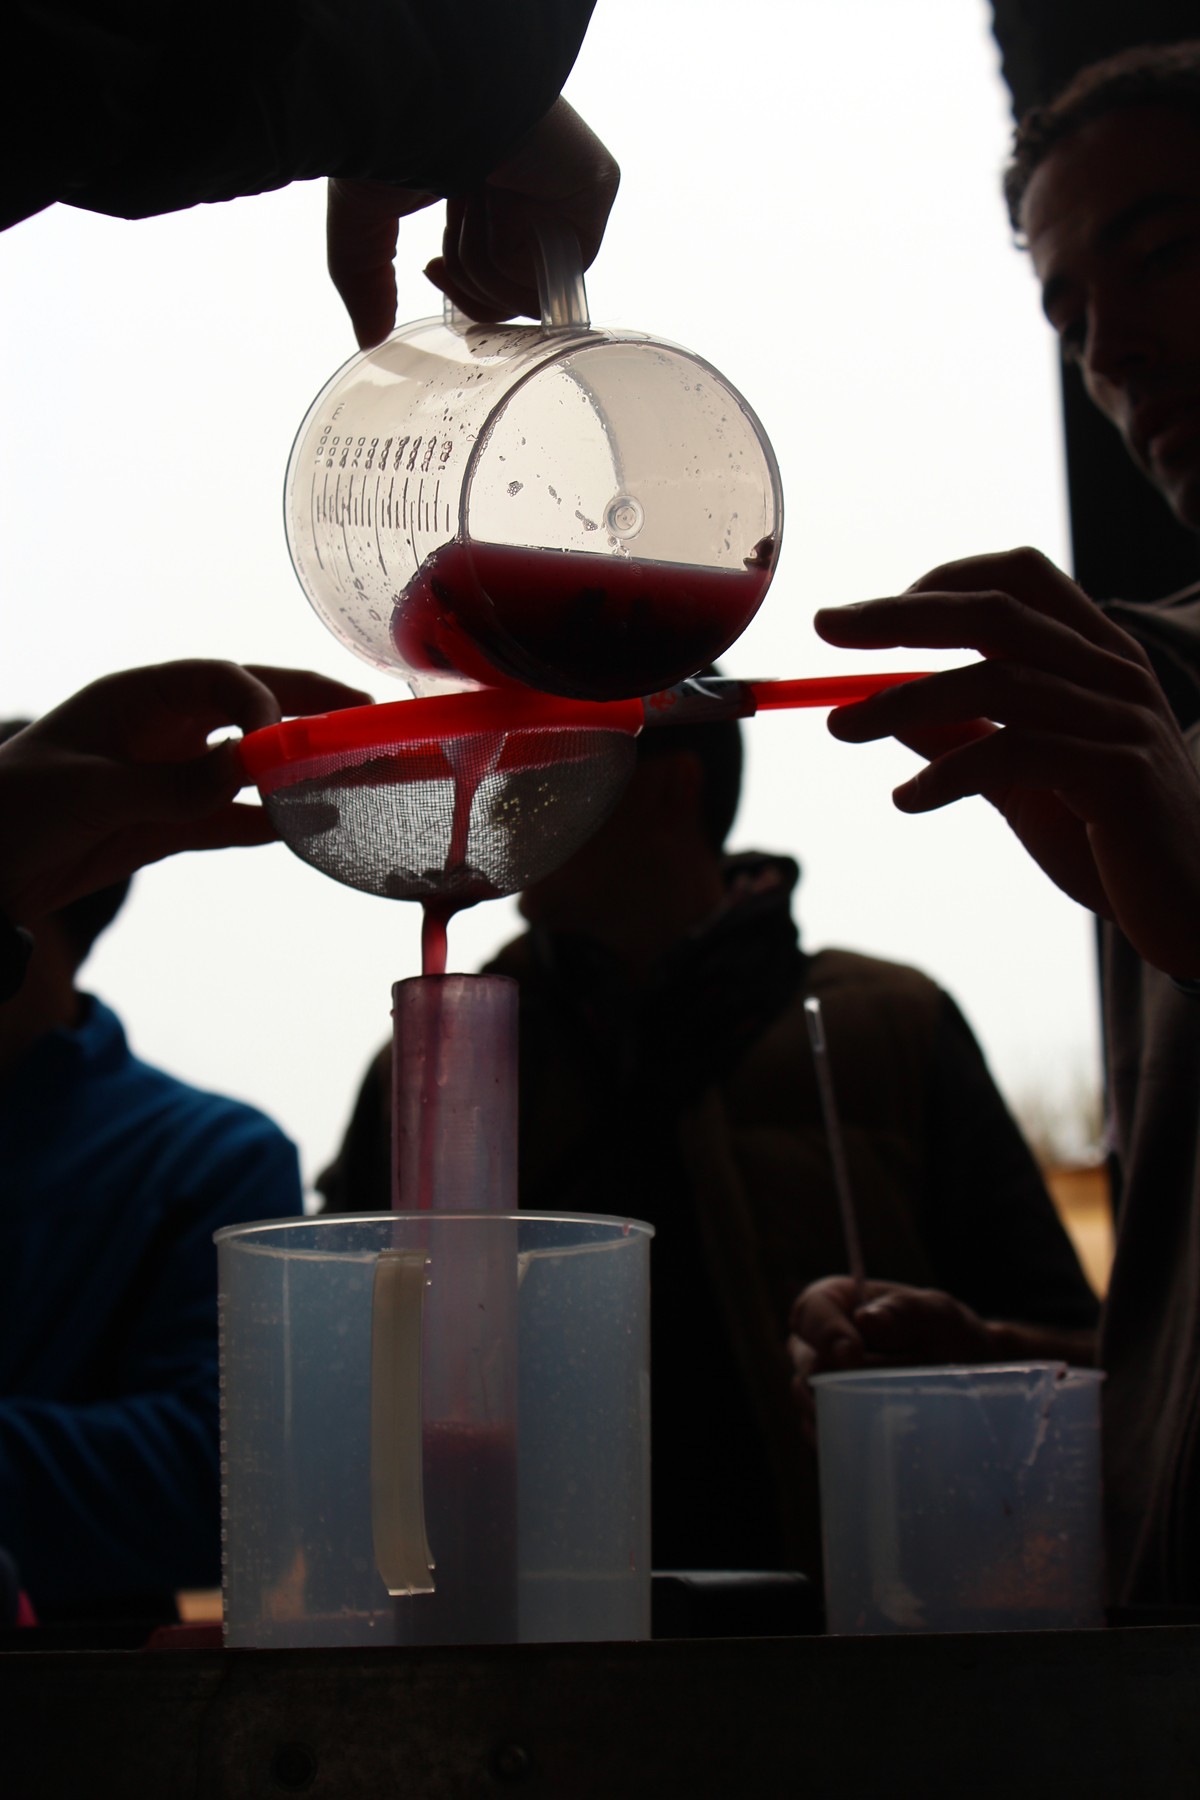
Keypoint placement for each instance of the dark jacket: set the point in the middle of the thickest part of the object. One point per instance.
(134, 108)
(113, 1178)
(693, 1104)
(1150, 1334)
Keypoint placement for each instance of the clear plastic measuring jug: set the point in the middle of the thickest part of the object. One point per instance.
(435, 1429)
(595, 513)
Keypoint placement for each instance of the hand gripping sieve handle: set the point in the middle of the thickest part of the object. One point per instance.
(402, 1553)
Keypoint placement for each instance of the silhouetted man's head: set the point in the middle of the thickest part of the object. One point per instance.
(1104, 189)
(666, 832)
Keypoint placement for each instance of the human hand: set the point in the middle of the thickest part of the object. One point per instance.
(830, 1328)
(1062, 725)
(122, 774)
(361, 227)
(561, 173)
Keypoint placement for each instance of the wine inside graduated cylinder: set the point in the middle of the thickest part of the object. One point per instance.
(470, 1480)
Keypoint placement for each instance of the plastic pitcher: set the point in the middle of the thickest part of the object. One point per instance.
(961, 1499)
(593, 513)
(435, 1429)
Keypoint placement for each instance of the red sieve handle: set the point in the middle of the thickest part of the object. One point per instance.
(707, 698)
(828, 690)
(267, 755)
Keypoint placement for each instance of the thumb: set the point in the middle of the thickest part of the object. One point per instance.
(199, 785)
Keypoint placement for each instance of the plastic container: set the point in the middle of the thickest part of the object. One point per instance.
(961, 1499)
(593, 513)
(454, 1093)
(403, 1465)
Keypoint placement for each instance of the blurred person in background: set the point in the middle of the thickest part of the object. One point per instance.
(113, 1178)
(666, 1073)
(123, 774)
(1081, 724)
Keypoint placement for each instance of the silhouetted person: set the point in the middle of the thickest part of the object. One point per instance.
(400, 102)
(1081, 723)
(666, 1074)
(122, 774)
(113, 1178)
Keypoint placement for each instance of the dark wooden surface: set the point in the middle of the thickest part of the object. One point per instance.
(1105, 1713)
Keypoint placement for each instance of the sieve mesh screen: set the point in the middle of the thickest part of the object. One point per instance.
(466, 819)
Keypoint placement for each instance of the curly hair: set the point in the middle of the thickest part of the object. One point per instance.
(1149, 75)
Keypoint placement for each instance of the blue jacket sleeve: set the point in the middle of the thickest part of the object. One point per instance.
(122, 1495)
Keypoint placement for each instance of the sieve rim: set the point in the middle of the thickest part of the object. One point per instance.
(354, 728)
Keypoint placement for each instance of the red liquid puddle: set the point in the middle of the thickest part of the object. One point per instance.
(594, 627)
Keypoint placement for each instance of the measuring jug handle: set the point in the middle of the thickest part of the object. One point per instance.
(561, 293)
(402, 1554)
(562, 296)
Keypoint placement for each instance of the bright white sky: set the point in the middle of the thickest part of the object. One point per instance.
(810, 202)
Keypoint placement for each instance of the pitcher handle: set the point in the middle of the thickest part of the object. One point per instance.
(401, 1546)
(562, 296)
(561, 293)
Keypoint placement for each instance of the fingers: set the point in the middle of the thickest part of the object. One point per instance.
(360, 240)
(1077, 769)
(227, 827)
(923, 1325)
(170, 709)
(563, 164)
(823, 1319)
(1015, 605)
(823, 1337)
(305, 691)
(1088, 696)
(999, 625)
(1035, 581)
(163, 709)
(893, 1324)
(561, 175)
(486, 268)
(132, 748)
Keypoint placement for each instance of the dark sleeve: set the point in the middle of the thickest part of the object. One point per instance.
(993, 1234)
(136, 107)
(16, 947)
(359, 1179)
(121, 1495)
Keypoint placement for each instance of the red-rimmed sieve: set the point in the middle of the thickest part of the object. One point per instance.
(448, 800)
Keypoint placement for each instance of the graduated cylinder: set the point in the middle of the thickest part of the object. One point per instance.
(454, 1094)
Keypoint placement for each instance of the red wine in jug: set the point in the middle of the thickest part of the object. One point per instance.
(589, 626)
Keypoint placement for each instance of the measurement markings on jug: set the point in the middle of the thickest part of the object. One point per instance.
(378, 509)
